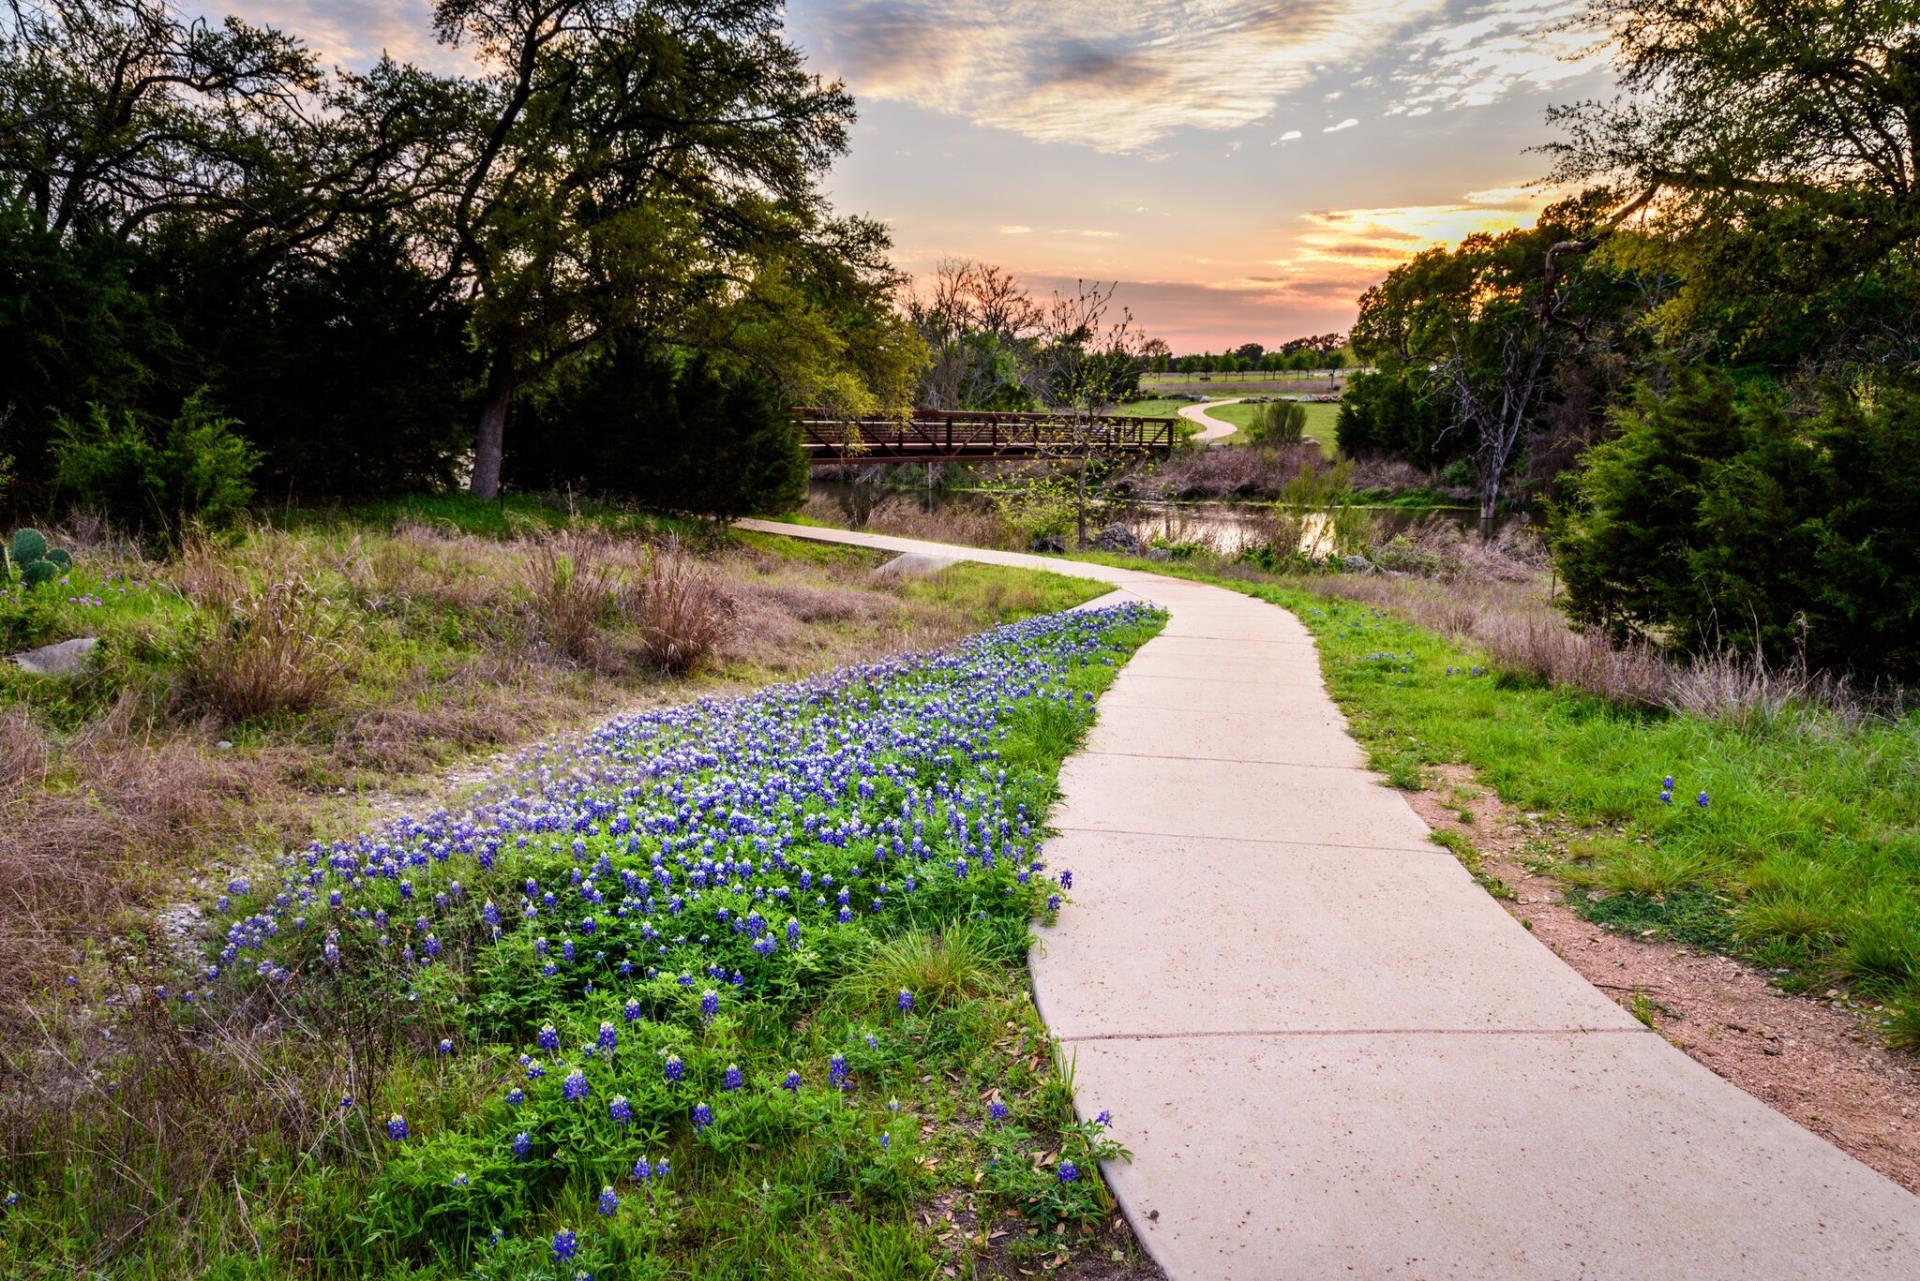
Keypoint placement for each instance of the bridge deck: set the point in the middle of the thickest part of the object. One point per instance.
(933, 435)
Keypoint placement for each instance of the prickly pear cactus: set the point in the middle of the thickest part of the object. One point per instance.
(29, 557)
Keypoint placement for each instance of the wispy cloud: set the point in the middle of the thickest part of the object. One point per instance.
(1116, 75)
(351, 33)
(1491, 50)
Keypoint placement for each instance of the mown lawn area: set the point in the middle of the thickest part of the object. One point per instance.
(735, 988)
(1321, 418)
(1791, 841)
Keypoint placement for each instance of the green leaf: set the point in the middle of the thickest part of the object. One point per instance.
(60, 556)
(28, 546)
(35, 572)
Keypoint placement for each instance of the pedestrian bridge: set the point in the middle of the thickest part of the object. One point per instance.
(934, 435)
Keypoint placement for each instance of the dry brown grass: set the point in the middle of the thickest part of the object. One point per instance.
(576, 596)
(272, 649)
(135, 803)
(683, 613)
(1229, 472)
(1395, 474)
(1440, 547)
(1517, 626)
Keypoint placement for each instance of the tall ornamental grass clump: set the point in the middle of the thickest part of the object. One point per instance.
(723, 983)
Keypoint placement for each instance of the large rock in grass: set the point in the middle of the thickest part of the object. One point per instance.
(66, 660)
(915, 565)
(1119, 539)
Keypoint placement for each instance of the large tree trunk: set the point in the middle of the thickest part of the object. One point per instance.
(1489, 500)
(490, 441)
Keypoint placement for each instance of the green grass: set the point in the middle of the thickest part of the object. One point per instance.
(1151, 408)
(1320, 422)
(813, 1182)
(1806, 860)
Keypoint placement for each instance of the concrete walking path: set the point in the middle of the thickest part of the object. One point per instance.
(1332, 1054)
(1211, 428)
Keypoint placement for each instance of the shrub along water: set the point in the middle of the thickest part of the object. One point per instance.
(722, 987)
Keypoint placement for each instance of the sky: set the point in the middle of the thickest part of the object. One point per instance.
(1242, 169)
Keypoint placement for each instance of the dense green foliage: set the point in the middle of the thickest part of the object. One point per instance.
(1724, 520)
(1278, 422)
(690, 438)
(157, 477)
(1394, 412)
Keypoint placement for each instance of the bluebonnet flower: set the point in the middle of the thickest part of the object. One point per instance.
(642, 1171)
(1066, 879)
(732, 1079)
(1069, 1172)
(661, 1170)
(565, 1244)
(396, 1127)
(792, 1082)
(886, 1140)
(549, 1038)
(1053, 902)
(709, 1003)
(702, 1117)
(516, 1096)
(446, 1045)
(575, 1087)
(905, 1001)
(620, 1110)
(837, 1071)
(459, 1180)
(535, 1070)
(609, 1203)
(675, 1068)
(1701, 800)
(1105, 1118)
(608, 1038)
(346, 1103)
(632, 1011)
(522, 1145)
(997, 1110)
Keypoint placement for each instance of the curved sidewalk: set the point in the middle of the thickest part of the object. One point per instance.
(1332, 1054)
(1211, 428)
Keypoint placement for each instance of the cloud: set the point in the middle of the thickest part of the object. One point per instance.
(1155, 66)
(352, 33)
(1337, 250)
(1491, 52)
(1016, 229)
(1348, 123)
(1290, 135)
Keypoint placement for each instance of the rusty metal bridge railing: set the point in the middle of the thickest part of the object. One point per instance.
(933, 435)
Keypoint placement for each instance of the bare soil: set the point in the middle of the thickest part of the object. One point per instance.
(1006, 1247)
(1819, 1062)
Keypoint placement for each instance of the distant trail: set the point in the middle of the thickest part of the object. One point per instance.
(1211, 428)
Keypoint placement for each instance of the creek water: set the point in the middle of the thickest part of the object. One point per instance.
(1223, 527)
